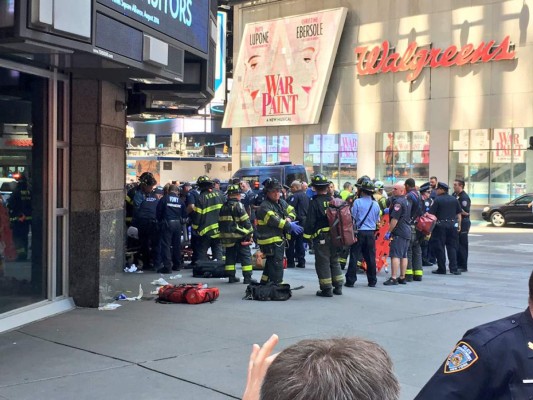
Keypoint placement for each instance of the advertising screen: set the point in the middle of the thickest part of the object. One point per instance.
(183, 20)
(283, 69)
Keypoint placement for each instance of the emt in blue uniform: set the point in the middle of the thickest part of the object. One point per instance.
(493, 361)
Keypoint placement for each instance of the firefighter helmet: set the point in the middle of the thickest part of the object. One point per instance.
(368, 186)
(232, 189)
(319, 180)
(204, 180)
(271, 184)
(148, 179)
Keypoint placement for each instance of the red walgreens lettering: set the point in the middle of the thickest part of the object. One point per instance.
(415, 59)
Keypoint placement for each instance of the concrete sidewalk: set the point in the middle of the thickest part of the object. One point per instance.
(145, 350)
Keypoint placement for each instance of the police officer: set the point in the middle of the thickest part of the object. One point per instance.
(366, 214)
(275, 220)
(191, 198)
(317, 228)
(464, 201)
(491, 362)
(145, 220)
(400, 231)
(205, 218)
(171, 214)
(236, 235)
(414, 270)
(448, 212)
(300, 202)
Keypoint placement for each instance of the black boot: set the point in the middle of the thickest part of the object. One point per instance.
(247, 279)
(233, 279)
(325, 293)
(337, 290)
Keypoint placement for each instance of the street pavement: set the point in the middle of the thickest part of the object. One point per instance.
(145, 350)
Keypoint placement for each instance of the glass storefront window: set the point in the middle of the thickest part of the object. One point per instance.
(22, 204)
(493, 163)
(402, 155)
(264, 150)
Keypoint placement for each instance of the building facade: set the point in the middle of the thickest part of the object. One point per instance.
(416, 89)
(68, 78)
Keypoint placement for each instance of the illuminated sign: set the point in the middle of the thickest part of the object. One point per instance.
(283, 69)
(414, 59)
(183, 20)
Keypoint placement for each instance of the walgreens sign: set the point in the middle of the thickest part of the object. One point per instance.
(380, 59)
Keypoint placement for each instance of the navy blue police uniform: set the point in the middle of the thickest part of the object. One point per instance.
(445, 208)
(462, 248)
(296, 249)
(171, 213)
(401, 235)
(493, 361)
(145, 220)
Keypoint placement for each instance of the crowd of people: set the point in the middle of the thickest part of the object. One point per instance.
(286, 222)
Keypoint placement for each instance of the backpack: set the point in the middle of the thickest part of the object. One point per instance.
(269, 291)
(187, 293)
(209, 269)
(340, 223)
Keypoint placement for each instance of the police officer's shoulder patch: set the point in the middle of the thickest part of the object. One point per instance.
(464, 203)
(397, 207)
(462, 357)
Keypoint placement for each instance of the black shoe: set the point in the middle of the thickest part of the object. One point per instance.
(417, 278)
(324, 293)
(247, 280)
(426, 263)
(438, 272)
(177, 267)
(456, 273)
(300, 266)
(163, 270)
(371, 285)
(409, 278)
(290, 265)
(343, 267)
(337, 290)
(462, 269)
(402, 281)
(390, 281)
(233, 279)
(349, 284)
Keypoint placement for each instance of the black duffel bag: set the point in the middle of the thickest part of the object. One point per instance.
(269, 291)
(209, 269)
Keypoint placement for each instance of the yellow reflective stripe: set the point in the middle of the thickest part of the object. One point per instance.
(209, 228)
(247, 268)
(338, 278)
(326, 281)
(212, 208)
(264, 278)
(274, 239)
(419, 272)
(307, 236)
(281, 223)
(225, 218)
(243, 218)
(268, 215)
(129, 200)
(314, 235)
(342, 260)
(408, 272)
(229, 267)
(291, 212)
(194, 226)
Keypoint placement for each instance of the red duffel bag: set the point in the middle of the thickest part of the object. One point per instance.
(425, 223)
(187, 293)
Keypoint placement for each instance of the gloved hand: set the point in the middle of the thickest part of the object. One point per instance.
(386, 211)
(387, 236)
(296, 229)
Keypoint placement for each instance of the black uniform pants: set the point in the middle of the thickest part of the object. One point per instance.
(171, 243)
(204, 243)
(445, 236)
(296, 251)
(327, 265)
(149, 240)
(21, 230)
(364, 248)
(462, 250)
(238, 253)
(273, 271)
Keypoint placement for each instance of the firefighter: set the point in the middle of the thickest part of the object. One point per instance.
(205, 218)
(171, 214)
(327, 266)
(20, 210)
(236, 235)
(448, 212)
(300, 202)
(275, 221)
(145, 220)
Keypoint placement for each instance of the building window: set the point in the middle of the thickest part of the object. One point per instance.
(332, 155)
(402, 155)
(264, 149)
(492, 162)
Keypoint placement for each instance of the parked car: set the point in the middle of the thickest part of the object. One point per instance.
(515, 211)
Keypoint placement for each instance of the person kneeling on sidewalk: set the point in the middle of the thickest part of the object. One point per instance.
(236, 235)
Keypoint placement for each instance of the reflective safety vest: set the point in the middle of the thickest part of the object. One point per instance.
(205, 215)
(272, 226)
(234, 222)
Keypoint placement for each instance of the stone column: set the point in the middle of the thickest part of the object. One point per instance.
(98, 166)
